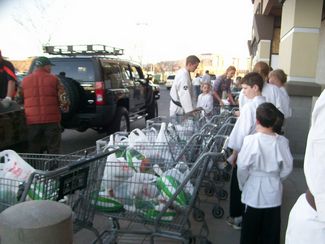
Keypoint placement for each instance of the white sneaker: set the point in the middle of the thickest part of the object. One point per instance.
(234, 222)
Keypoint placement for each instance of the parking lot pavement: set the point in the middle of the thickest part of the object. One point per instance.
(219, 231)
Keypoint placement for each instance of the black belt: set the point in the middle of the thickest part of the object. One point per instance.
(177, 103)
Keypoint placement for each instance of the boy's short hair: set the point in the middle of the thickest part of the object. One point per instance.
(192, 59)
(253, 78)
(277, 127)
(279, 73)
(267, 115)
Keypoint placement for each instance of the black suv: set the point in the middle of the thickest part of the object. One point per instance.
(105, 93)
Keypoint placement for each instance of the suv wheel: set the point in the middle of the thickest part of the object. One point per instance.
(121, 121)
(152, 110)
(72, 91)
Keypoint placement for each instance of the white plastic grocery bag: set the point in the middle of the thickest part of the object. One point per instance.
(116, 171)
(161, 139)
(14, 167)
(136, 137)
(140, 142)
(179, 173)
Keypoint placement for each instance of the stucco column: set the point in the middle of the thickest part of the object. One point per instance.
(263, 52)
(298, 55)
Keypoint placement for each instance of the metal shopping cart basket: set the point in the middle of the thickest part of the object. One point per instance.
(156, 196)
(72, 179)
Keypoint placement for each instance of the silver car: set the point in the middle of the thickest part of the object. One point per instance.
(169, 81)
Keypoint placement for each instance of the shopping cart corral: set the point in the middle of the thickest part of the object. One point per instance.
(71, 179)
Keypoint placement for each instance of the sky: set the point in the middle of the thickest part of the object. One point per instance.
(149, 31)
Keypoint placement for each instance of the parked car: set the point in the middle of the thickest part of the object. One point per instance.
(105, 93)
(169, 81)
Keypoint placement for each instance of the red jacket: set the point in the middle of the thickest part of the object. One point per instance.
(40, 93)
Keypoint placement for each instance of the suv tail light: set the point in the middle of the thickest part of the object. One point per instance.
(100, 92)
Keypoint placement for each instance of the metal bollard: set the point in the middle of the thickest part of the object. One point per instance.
(39, 221)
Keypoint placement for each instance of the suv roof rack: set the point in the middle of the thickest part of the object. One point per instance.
(87, 50)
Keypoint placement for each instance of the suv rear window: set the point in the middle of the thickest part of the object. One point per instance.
(80, 70)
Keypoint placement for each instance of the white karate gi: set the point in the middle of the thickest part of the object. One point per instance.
(245, 124)
(314, 168)
(273, 95)
(304, 225)
(205, 101)
(181, 91)
(263, 162)
(285, 101)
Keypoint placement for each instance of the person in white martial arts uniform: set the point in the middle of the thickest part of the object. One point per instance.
(252, 85)
(278, 78)
(205, 99)
(307, 217)
(271, 92)
(264, 161)
(181, 91)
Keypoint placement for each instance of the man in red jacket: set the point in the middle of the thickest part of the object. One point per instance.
(43, 95)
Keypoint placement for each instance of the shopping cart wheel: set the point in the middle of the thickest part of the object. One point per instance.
(116, 224)
(225, 176)
(209, 190)
(198, 215)
(223, 194)
(199, 240)
(217, 212)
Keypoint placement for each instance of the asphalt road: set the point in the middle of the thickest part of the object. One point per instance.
(73, 140)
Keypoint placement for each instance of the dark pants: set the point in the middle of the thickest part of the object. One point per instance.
(261, 226)
(236, 207)
(197, 91)
(44, 137)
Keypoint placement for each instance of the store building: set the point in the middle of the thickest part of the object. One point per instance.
(290, 35)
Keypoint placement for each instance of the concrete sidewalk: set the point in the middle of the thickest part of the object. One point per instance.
(219, 231)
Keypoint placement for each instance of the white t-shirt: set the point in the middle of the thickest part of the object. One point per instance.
(245, 124)
(263, 162)
(205, 101)
(181, 91)
(206, 78)
(196, 81)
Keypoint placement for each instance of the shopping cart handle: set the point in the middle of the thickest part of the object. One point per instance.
(94, 157)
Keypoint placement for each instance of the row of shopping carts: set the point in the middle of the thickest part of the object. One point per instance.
(155, 177)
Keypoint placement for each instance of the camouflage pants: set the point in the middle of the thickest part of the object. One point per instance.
(44, 137)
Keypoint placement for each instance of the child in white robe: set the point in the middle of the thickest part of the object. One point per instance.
(271, 92)
(252, 85)
(278, 78)
(264, 161)
(205, 99)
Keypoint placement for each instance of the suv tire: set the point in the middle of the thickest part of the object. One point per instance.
(121, 121)
(152, 110)
(72, 91)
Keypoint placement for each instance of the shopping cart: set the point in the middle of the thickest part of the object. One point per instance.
(157, 196)
(71, 179)
(191, 120)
